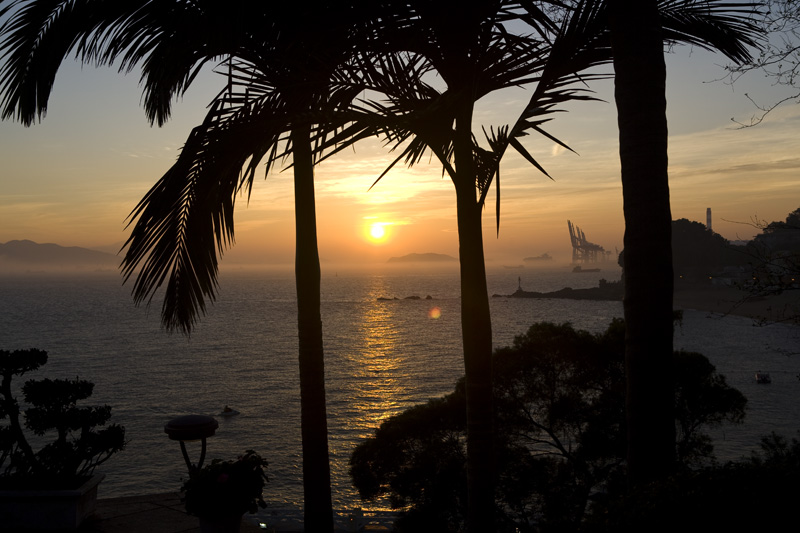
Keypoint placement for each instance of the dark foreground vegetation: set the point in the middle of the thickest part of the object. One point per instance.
(560, 448)
(80, 444)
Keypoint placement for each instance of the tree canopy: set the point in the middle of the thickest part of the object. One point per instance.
(698, 252)
(559, 396)
(774, 257)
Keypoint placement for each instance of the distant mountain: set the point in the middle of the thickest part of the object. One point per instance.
(21, 255)
(423, 258)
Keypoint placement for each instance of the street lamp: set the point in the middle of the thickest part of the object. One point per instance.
(189, 428)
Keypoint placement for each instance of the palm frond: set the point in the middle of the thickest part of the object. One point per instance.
(187, 217)
(580, 43)
(727, 27)
(36, 38)
(161, 37)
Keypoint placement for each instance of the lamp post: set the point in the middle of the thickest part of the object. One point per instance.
(189, 428)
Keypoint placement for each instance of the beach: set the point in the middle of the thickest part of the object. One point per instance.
(732, 301)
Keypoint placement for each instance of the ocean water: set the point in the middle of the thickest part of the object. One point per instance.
(381, 357)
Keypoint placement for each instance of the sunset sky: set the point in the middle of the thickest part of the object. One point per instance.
(73, 178)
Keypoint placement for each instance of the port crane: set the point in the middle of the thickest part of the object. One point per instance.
(584, 251)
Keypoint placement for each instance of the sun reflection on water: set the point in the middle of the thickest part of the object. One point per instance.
(371, 371)
(379, 388)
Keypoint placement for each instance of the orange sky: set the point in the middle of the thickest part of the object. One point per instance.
(74, 178)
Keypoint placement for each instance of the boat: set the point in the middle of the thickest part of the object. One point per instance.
(580, 270)
(763, 378)
(544, 257)
(229, 412)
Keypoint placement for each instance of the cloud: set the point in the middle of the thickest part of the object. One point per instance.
(557, 150)
(761, 166)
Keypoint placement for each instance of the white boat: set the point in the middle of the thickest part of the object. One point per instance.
(763, 377)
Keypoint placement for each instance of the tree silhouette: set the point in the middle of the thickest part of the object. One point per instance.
(279, 62)
(559, 395)
(469, 47)
(638, 33)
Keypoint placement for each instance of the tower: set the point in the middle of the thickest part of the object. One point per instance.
(708, 219)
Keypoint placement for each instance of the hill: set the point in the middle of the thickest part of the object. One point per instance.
(29, 255)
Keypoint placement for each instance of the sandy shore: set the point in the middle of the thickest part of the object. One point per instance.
(725, 300)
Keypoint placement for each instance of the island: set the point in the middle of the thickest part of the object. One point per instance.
(423, 258)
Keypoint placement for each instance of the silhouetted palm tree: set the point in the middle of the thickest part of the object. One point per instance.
(469, 49)
(280, 61)
(639, 29)
(467, 45)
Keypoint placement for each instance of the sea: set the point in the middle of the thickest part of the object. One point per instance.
(382, 356)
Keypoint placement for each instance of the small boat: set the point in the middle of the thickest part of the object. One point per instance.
(229, 412)
(763, 378)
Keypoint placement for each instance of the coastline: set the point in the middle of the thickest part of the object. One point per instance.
(716, 300)
(732, 301)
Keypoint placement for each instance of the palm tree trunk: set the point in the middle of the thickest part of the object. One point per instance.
(318, 510)
(640, 87)
(476, 331)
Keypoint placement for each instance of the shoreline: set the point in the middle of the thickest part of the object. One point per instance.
(732, 301)
(715, 300)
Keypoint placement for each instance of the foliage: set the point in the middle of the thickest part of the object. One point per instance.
(779, 237)
(703, 399)
(774, 257)
(417, 459)
(792, 222)
(736, 496)
(698, 252)
(560, 400)
(224, 488)
(78, 448)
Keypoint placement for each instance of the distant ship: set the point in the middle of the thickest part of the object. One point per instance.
(544, 257)
(580, 270)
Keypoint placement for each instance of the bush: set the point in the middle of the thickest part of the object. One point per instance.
(78, 447)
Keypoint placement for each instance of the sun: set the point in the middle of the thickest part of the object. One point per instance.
(376, 231)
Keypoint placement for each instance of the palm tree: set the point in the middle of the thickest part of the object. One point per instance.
(468, 46)
(639, 62)
(638, 30)
(279, 66)
(471, 52)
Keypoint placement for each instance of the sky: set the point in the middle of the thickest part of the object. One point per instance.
(73, 178)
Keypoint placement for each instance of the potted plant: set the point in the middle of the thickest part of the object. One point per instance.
(222, 491)
(54, 487)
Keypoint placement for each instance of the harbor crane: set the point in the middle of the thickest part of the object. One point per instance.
(584, 251)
